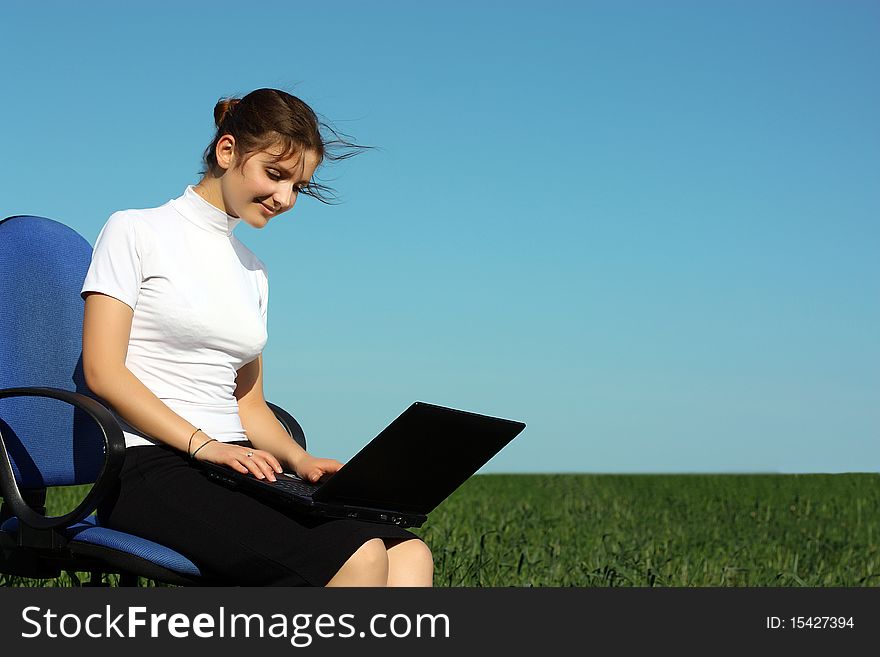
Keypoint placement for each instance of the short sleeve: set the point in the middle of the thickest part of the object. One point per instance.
(116, 261)
(264, 296)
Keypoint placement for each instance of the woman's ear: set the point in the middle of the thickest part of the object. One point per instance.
(225, 152)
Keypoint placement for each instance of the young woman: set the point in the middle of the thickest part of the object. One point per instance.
(174, 327)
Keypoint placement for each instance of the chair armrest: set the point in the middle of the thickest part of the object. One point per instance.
(114, 455)
(289, 423)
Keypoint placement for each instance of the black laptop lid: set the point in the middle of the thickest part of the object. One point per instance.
(419, 459)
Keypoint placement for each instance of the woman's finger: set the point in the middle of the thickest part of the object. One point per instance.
(255, 462)
(331, 465)
(264, 460)
(253, 466)
(236, 465)
(268, 470)
(268, 463)
(272, 461)
(314, 474)
(254, 469)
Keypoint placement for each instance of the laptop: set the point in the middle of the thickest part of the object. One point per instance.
(399, 477)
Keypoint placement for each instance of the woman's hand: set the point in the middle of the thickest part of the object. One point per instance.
(311, 468)
(258, 462)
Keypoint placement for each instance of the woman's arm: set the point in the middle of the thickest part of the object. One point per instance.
(266, 433)
(106, 332)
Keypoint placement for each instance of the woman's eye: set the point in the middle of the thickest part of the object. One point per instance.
(274, 175)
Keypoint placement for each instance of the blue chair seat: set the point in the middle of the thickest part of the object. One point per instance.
(89, 531)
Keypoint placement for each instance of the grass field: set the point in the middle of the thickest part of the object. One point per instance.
(647, 530)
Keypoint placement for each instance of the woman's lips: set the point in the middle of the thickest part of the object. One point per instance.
(267, 211)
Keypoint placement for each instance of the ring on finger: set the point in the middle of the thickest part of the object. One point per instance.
(250, 455)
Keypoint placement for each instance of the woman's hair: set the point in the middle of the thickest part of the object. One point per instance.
(269, 116)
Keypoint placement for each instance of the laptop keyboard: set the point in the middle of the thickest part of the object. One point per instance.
(297, 486)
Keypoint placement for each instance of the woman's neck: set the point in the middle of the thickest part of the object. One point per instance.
(209, 189)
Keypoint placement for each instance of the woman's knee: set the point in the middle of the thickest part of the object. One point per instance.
(418, 550)
(370, 558)
(414, 553)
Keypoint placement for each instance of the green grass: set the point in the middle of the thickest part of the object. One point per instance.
(648, 530)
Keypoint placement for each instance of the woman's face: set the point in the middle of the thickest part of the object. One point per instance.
(263, 188)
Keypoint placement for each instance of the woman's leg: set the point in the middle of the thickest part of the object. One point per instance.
(392, 562)
(368, 566)
(410, 563)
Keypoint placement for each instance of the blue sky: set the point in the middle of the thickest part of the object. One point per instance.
(648, 230)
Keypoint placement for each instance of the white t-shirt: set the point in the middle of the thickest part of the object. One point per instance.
(199, 298)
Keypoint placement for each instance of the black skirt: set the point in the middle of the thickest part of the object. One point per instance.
(234, 539)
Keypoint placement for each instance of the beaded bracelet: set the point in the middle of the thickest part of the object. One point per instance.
(211, 440)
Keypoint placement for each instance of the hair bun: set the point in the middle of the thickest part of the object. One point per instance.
(223, 109)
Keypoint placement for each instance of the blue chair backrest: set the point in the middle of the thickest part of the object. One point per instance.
(42, 267)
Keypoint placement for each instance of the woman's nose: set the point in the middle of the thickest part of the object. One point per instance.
(284, 197)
